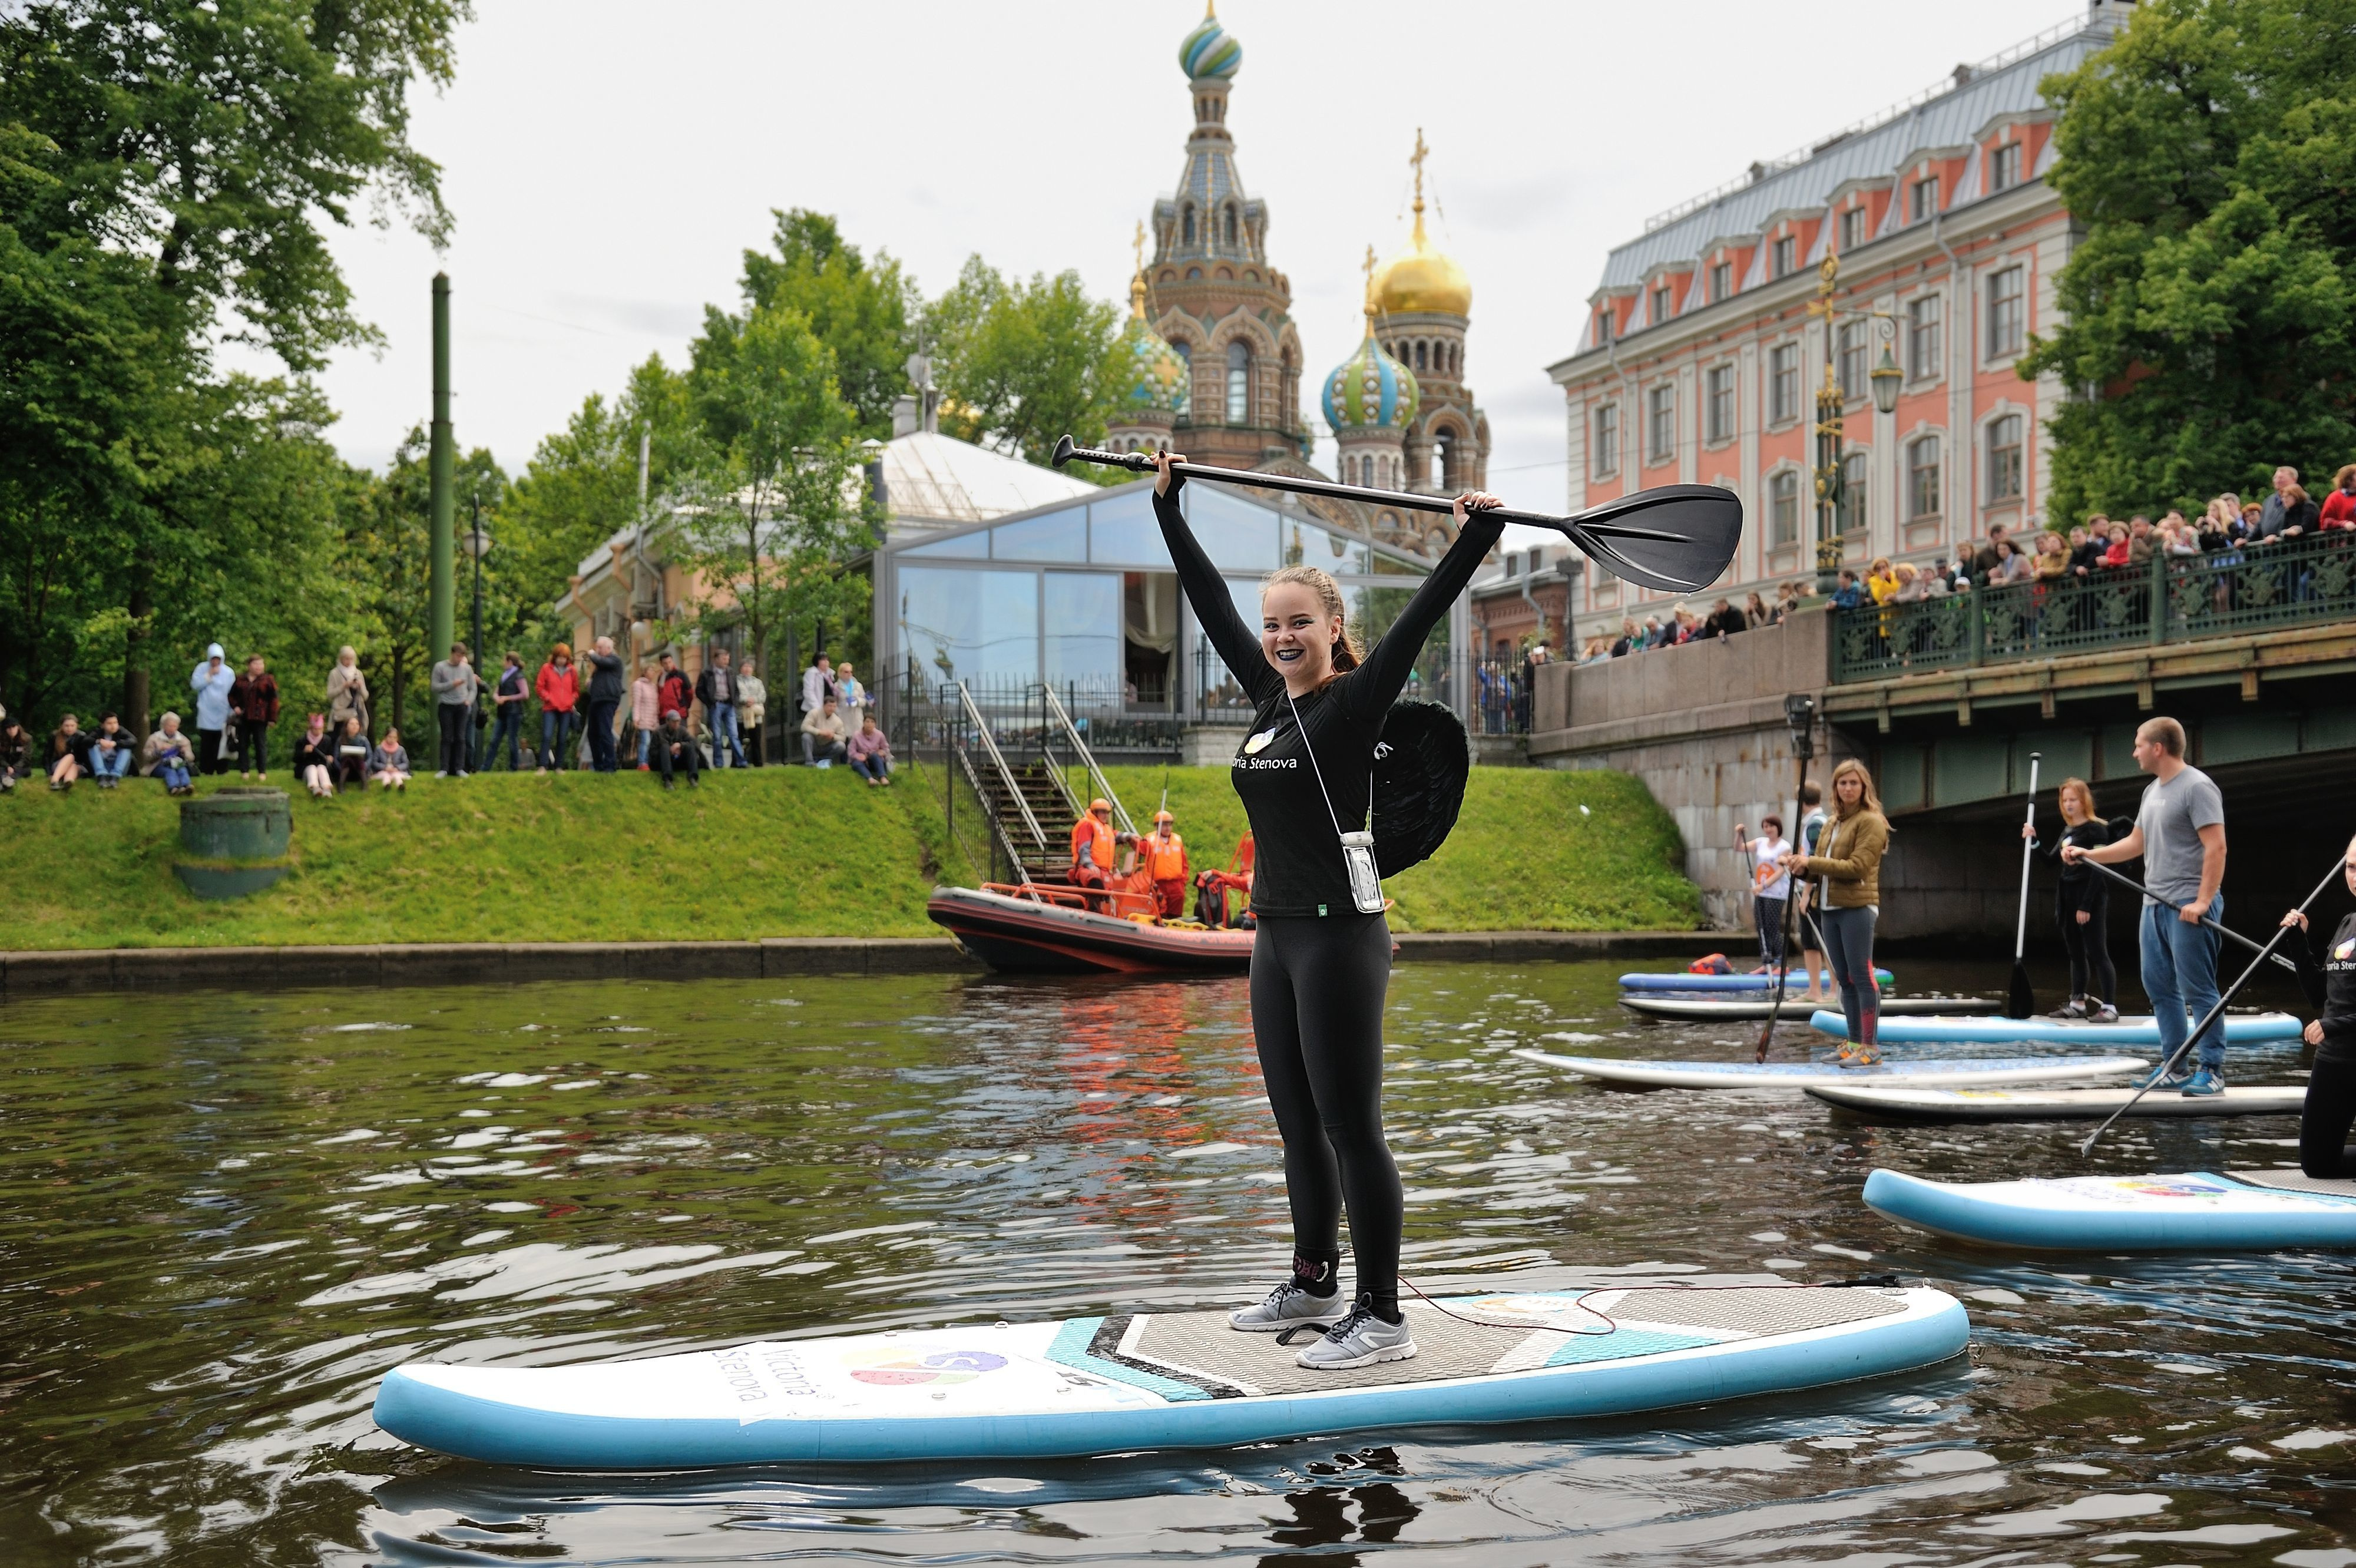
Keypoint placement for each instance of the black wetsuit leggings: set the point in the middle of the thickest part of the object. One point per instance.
(2323, 1125)
(1317, 1014)
(2092, 973)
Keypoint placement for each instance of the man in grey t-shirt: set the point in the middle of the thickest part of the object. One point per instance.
(2180, 831)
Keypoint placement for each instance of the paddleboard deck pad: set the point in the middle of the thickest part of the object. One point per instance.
(1754, 1006)
(2202, 1211)
(1974, 1070)
(2054, 1104)
(1182, 1380)
(2241, 1028)
(1700, 984)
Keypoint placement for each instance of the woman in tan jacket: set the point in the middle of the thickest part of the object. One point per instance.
(1850, 865)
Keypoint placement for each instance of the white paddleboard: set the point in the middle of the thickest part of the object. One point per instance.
(2241, 1028)
(1185, 1379)
(1799, 1075)
(1719, 1009)
(2055, 1104)
(2199, 1211)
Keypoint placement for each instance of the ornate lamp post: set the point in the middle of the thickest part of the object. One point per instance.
(476, 543)
(1886, 378)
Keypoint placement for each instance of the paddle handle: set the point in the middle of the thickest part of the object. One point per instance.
(2020, 931)
(2132, 886)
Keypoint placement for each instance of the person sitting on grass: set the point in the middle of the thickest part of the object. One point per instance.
(68, 748)
(675, 749)
(388, 764)
(315, 758)
(170, 756)
(16, 754)
(109, 753)
(351, 753)
(824, 740)
(870, 752)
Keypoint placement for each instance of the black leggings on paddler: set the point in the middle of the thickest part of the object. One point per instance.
(1317, 1010)
(2323, 1125)
(2092, 973)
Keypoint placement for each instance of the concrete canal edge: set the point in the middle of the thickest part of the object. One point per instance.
(102, 969)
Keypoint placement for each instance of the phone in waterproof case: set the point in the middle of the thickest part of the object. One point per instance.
(1365, 882)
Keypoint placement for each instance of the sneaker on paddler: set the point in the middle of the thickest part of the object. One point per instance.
(1290, 1305)
(1360, 1339)
(2161, 1078)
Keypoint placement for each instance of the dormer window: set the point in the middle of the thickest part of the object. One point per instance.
(2004, 168)
(1924, 199)
(1721, 281)
(1660, 302)
(1852, 229)
(1782, 255)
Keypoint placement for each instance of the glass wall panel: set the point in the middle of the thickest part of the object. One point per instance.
(1306, 546)
(1236, 534)
(969, 625)
(1122, 531)
(1057, 536)
(974, 546)
(1083, 631)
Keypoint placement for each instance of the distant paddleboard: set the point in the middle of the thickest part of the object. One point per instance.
(2241, 1028)
(2198, 1212)
(1182, 1380)
(1799, 1075)
(2054, 1104)
(1705, 983)
(1708, 1009)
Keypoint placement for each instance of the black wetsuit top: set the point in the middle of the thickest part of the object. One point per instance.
(2329, 976)
(1299, 870)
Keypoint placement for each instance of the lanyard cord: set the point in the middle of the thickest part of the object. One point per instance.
(1331, 815)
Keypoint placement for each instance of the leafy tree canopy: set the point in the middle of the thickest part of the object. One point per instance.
(2208, 154)
(1021, 363)
(859, 308)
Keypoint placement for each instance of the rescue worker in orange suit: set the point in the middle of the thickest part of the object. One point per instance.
(1161, 856)
(1239, 880)
(1095, 845)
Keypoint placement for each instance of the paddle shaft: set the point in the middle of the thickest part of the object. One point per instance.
(1791, 897)
(2339, 870)
(2028, 846)
(2231, 936)
(1143, 463)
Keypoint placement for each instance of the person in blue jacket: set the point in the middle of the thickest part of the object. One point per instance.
(210, 682)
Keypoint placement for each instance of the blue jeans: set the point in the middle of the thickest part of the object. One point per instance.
(721, 717)
(1848, 956)
(172, 772)
(2179, 972)
(877, 768)
(115, 766)
(646, 746)
(555, 730)
(511, 733)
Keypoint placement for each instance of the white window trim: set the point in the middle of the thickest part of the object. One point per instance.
(1907, 514)
(1801, 398)
(1803, 499)
(1619, 438)
(1946, 342)
(1669, 386)
(1982, 444)
(1985, 312)
(1734, 394)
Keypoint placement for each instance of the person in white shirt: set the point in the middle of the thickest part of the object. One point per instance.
(1771, 886)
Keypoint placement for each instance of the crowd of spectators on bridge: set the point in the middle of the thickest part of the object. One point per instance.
(590, 713)
(2228, 531)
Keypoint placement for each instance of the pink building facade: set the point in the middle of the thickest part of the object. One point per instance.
(1701, 364)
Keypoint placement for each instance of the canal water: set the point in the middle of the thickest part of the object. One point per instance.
(229, 1213)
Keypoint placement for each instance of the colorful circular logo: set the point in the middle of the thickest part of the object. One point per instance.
(942, 1367)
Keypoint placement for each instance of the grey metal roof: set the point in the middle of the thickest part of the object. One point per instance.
(1939, 120)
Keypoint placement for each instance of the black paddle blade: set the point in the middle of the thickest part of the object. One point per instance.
(1676, 538)
(2019, 1000)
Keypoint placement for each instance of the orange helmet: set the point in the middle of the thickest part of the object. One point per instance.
(1164, 817)
(1099, 804)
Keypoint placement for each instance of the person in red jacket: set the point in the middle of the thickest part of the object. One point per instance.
(254, 700)
(672, 689)
(559, 686)
(2340, 507)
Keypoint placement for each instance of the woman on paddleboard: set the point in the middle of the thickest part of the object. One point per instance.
(2329, 976)
(2081, 907)
(1849, 863)
(1321, 960)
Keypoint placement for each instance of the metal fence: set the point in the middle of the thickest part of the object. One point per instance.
(1437, 678)
(2175, 598)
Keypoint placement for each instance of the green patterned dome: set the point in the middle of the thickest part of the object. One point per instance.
(1153, 375)
(1210, 49)
(1370, 390)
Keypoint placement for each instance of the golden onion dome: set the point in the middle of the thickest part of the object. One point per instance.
(1422, 279)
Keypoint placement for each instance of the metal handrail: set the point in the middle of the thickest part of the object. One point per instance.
(1087, 759)
(997, 827)
(998, 759)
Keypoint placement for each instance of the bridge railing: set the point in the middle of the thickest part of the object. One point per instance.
(2176, 598)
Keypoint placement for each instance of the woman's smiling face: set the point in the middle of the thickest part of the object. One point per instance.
(1296, 634)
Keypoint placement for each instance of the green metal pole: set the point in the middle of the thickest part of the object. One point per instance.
(441, 596)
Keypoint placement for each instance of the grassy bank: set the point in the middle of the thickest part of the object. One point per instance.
(774, 852)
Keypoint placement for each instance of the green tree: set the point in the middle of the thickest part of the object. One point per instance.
(859, 308)
(1023, 363)
(2208, 154)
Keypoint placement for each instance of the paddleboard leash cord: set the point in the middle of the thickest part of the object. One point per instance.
(1579, 1304)
(2216, 1013)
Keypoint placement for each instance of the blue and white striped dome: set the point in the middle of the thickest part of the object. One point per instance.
(1370, 390)
(1210, 49)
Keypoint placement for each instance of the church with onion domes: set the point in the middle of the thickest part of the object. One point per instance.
(1212, 361)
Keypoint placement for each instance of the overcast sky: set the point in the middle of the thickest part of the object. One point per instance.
(608, 163)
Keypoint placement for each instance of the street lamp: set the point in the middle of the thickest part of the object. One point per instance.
(1886, 379)
(477, 544)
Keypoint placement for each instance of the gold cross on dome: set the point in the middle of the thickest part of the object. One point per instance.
(1368, 268)
(1138, 246)
(1415, 158)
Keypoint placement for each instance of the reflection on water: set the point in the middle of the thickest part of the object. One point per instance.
(230, 1213)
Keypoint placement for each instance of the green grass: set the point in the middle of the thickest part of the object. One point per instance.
(774, 852)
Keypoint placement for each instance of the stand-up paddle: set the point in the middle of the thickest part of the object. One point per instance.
(1800, 713)
(2132, 886)
(2020, 1001)
(1676, 538)
(2339, 870)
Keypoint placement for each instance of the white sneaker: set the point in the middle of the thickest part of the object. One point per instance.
(1360, 1339)
(1288, 1306)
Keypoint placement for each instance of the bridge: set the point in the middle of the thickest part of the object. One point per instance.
(1945, 699)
